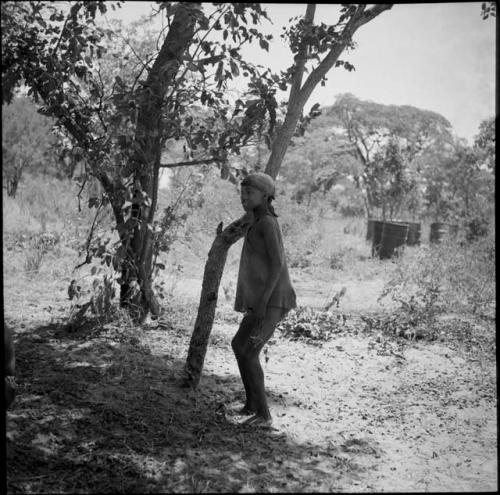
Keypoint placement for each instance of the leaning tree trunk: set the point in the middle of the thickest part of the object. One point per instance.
(214, 268)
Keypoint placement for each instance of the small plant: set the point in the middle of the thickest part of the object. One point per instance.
(416, 286)
(33, 260)
(445, 278)
(101, 302)
(478, 227)
(312, 326)
(38, 245)
(336, 261)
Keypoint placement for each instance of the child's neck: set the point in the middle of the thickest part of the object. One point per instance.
(260, 211)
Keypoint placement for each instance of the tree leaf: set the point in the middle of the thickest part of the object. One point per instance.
(234, 68)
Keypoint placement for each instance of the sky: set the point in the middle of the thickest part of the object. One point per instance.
(434, 56)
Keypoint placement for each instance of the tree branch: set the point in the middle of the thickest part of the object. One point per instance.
(301, 57)
(192, 162)
(370, 14)
(358, 19)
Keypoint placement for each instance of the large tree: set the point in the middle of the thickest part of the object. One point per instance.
(459, 186)
(121, 123)
(371, 129)
(316, 48)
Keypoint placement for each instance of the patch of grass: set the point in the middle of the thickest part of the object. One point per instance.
(33, 260)
(17, 217)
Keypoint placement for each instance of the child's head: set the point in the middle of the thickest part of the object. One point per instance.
(257, 189)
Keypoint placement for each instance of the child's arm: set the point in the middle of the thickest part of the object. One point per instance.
(275, 255)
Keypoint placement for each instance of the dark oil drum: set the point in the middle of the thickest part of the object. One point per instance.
(394, 236)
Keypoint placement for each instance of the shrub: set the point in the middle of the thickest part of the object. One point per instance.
(476, 228)
(301, 230)
(313, 326)
(339, 259)
(33, 260)
(350, 203)
(446, 277)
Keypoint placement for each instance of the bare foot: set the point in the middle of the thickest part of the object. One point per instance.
(258, 421)
(246, 411)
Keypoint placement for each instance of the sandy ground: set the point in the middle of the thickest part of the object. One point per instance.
(425, 422)
(358, 414)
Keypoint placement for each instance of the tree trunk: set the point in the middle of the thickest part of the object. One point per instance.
(149, 132)
(212, 275)
(13, 180)
(285, 134)
(367, 208)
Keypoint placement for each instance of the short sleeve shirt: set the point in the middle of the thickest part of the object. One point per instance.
(255, 264)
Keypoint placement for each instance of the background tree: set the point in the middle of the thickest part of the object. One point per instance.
(322, 45)
(369, 128)
(388, 181)
(27, 142)
(458, 185)
(484, 144)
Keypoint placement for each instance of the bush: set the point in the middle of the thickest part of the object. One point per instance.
(312, 326)
(301, 230)
(33, 260)
(442, 278)
(350, 203)
(476, 228)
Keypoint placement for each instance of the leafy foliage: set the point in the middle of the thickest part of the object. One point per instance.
(484, 144)
(388, 180)
(445, 277)
(385, 140)
(457, 185)
(488, 9)
(28, 143)
(312, 326)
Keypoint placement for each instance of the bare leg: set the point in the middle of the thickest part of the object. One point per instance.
(250, 363)
(256, 379)
(238, 345)
(249, 407)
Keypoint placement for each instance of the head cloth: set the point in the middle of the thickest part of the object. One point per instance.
(260, 181)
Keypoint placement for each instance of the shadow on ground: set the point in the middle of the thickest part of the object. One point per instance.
(102, 414)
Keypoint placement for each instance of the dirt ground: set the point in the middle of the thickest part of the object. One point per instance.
(100, 409)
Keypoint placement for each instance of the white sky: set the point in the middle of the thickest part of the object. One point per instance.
(434, 56)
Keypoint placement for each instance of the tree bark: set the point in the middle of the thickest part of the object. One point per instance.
(212, 275)
(161, 77)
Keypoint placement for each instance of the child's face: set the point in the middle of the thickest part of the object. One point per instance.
(251, 197)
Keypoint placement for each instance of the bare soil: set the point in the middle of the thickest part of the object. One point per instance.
(100, 408)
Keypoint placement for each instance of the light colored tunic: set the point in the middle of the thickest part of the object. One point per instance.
(255, 264)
